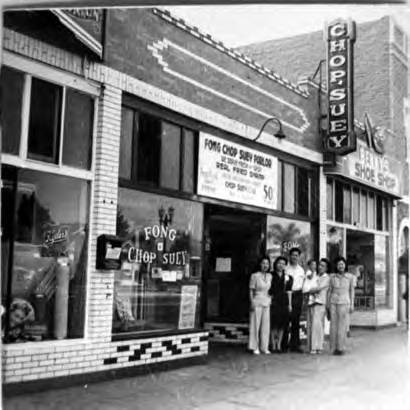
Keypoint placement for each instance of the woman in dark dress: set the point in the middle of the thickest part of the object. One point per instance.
(281, 292)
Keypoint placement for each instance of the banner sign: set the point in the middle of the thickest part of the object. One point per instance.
(234, 172)
(370, 168)
(340, 137)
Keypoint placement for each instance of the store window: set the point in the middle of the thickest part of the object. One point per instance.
(381, 270)
(349, 204)
(156, 152)
(339, 202)
(78, 129)
(356, 206)
(289, 191)
(334, 243)
(60, 120)
(158, 286)
(11, 92)
(329, 199)
(44, 255)
(44, 124)
(297, 190)
(284, 234)
(303, 191)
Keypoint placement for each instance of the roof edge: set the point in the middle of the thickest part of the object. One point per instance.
(231, 52)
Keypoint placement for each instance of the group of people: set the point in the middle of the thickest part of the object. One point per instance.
(277, 298)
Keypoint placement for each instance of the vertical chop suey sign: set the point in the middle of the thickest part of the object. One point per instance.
(340, 36)
(233, 172)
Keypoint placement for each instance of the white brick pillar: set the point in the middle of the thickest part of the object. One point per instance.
(322, 213)
(104, 210)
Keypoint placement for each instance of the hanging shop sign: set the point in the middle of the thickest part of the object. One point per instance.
(370, 168)
(236, 173)
(340, 137)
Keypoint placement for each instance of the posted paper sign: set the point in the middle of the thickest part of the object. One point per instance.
(223, 265)
(234, 172)
(187, 308)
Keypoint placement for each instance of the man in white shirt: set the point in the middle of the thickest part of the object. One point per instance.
(298, 275)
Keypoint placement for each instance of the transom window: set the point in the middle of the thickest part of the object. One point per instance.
(156, 152)
(297, 190)
(44, 121)
(357, 206)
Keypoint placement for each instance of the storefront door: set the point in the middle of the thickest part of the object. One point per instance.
(233, 244)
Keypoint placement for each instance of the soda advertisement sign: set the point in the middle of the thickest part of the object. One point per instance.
(340, 137)
(233, 172)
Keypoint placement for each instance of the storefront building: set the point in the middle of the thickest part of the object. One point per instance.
(362, 193)
(367, 192)
(136, 201)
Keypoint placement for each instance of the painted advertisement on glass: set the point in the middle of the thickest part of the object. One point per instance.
(380, 270)
(284, 234)
(162, 254)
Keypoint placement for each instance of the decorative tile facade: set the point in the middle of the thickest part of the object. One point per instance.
(237, 332)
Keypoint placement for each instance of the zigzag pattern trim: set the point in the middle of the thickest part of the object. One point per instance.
(207, 38)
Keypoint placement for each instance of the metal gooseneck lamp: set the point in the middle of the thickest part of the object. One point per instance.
(278, 134)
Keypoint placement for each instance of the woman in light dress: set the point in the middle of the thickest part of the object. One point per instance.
(317, 285)
(260, 300)
(340, 303)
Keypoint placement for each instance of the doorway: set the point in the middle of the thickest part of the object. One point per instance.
(361, 261)
(234, 241)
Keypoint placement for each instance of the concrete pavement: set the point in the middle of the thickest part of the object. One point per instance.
(374, 375)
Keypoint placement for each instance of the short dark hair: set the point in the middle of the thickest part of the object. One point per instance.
(340, 259)
(327, 261)
(277, 260)
(310, 261)
(294, 249)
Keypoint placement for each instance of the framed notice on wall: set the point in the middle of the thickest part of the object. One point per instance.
(236, 173)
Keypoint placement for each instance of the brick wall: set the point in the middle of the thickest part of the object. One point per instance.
(380, 75)
(170, 55)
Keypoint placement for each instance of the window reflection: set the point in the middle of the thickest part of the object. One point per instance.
(157, 287)
(283, 234)
(49, 254)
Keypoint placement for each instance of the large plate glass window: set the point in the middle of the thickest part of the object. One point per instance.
(158, 286)
(44, 254)
(284, 234)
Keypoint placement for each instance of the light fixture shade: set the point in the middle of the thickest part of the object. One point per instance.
(280, 134)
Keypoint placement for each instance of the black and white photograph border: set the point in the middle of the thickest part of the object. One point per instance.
(204, 205)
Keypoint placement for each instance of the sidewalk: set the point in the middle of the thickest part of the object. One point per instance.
(373, 375)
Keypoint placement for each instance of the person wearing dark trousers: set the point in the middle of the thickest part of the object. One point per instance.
(298, 274)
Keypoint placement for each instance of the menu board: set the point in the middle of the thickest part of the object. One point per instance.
(234, 172)
(187, 308)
